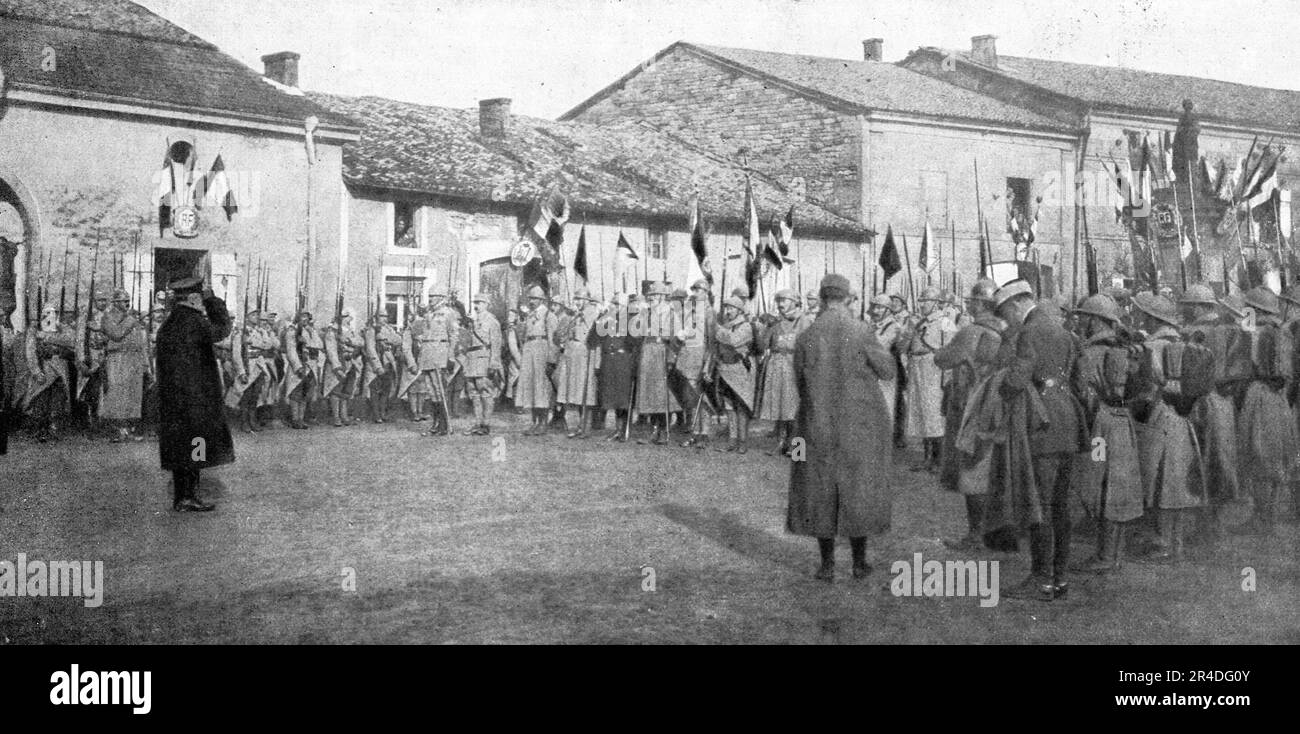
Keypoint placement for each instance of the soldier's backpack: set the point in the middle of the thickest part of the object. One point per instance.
(1274, 352)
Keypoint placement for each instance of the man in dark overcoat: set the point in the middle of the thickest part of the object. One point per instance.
(192, 430)
(840, 486)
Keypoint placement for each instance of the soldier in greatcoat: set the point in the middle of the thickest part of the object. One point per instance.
(1105, 381)
(658, 324)
(837, 490)
(1266, 427)
(344, 366)
(537, 359)
(125, 362)
(780, 393)
(383, 368)
(1170, 459)
(49, 349)
(969, 358)
(924, 379)
(192, 430)
(304, 356)
(888, 330)
(733, 352)
(694, 348)
(576, 373)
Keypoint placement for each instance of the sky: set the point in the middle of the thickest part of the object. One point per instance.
(549, 55)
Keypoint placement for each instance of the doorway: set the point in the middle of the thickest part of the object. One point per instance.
(170, 265)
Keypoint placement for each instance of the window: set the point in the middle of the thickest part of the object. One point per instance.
(934, 195)
(400, 292)
(404, 234)
(658, 244)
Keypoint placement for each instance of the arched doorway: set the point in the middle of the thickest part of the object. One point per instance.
(20, 235)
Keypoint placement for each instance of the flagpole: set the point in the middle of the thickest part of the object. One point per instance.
(911, 287)
(1196, 234)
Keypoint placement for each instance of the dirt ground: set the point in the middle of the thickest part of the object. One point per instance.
(515, 539)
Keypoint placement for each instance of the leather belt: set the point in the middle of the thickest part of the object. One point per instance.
(474, 349)
(535, 339)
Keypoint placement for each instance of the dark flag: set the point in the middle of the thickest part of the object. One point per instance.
(784, 232)
(889, 260)
(772, 255)
(550, 249)
(753, 272)
(580, 259)
(1090, 254)
(697, 241)
(624, 249)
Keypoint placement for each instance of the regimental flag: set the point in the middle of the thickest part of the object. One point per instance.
(698, 245)
(784, 232)
(753, 273)
(1227, 188)
(548, 209)
(217, 190)
(772, 253)
(624, 250)
(889, 260)
(751, 231)
(580, 258)
(551, 247)
(925, 259)
(163, 194)
(1263, 191)
(1141, 198)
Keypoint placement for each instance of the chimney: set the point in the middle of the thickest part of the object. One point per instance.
(873, 49)
(984, 50)
(282, 67)
(494, 118)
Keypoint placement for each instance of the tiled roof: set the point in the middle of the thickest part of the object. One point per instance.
(866, 85)
(1134, 90)
(115, 50)
(617, 169)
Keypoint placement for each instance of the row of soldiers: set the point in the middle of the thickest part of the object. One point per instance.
(1160, 415)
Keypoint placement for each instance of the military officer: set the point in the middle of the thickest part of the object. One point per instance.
(971, 357)
(888, 330)
(619, 343)
(383, 346)
(537, 357)
(658, 326)
(480, 346)
(780, 393)
(1046, 428)
(577, 368)
(304, 355)
(427, 347)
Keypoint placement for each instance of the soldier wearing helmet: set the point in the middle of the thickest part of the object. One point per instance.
(537, 357)
(780, 397)
(580, 359)
(383, 345)
(1215, 411)
(344, 366)
(888, 328)
(924, 379)
(1172, 476)
(125, 360)
(699, 322)
(969, 358)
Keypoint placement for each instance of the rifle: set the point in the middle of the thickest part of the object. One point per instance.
(76, 291)
(248, 285)
(90, 302)
(135, 267)
(63, 279)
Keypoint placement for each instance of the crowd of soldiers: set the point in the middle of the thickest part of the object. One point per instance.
(1153, 412)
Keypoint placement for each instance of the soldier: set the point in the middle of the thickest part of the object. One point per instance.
(658, 326)
(695, 345)
(924, 379)
(780, 393)
(249, 370)
(427, 347)
(149, 411)
(619, 347)
(124, 367)
(304, 353)
(733, 349)
(49, 349)
(901, 316)
(576, 372)
(563, 321)
(970, 358)
(383, 345)
(811, 304)
(1265, 425)
(1170, 460)
(536, 361)
(481, 356)
(514, 351)
(888, 330)
(1046, 428)
(344, 366)
(90, 344)
(837, 490)
(272, 345)
(1214, 414)
(1105, 379)
(455, 314)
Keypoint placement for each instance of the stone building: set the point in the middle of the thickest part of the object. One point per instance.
(437, 197)
(109, 112)
(874, 141)
(1115, 110)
